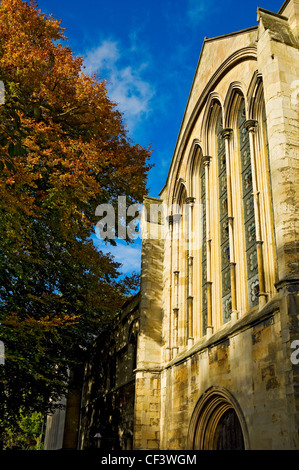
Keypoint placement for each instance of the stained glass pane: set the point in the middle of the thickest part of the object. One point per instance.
(224, 229)
(222, 183)
(248, 206)
(227, 308)
(223, 206)
(253, 290)
(247, 181)
(204, 300)
(250, 232)
(225, 255)
(245, 155)
(251, 261)
(223, 214)
(226, 282)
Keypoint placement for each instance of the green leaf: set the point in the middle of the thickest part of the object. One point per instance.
(16, 150)
(3, 141)
(36, 112)
(17, 120)
(9, 164)
(11, 149)
(19, 150)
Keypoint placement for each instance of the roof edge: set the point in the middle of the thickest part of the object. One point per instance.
(283, 6)
(206, 40)
(234, 33)
(277, 15)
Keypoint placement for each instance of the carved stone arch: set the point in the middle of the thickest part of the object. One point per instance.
(235, 93)
(258, 111)
(132, 340)
(258, 118)
(179, 190)
(133, 331)
(217, 412)
(244, 54)
(255, 95)
(193, 164)
(216, 111)
(207, 120)
(127, 440)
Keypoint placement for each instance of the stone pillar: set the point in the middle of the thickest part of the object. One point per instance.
(176, 282)
(168, 355)
(251, 127)
(149, 349)
(72, 412)
(278, 62)
(190, 237)
(175, 332)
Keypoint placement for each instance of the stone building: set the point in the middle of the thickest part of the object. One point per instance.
(98, 412)
(108, 392)
(218, 308)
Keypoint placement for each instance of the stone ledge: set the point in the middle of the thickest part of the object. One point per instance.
(254, 317)
(250, 319)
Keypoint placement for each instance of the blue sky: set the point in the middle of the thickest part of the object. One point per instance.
(148, 52)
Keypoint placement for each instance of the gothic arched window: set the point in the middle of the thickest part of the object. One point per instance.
(248, 207)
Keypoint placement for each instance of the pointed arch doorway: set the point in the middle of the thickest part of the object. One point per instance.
(217, 423)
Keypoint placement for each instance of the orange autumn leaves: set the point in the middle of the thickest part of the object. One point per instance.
(71, 136)
(64, 150)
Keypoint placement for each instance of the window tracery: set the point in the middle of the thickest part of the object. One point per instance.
(210, 282)
(248, 207)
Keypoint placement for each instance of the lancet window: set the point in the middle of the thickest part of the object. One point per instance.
(248, 207)
(219, 274)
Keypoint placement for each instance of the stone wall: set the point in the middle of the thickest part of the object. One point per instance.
(147, 374)
(108, 394)
(246, 362)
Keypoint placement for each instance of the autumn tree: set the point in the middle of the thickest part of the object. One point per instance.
(64, 150)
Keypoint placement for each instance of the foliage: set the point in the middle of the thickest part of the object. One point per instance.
(63, 150)
(27, 435)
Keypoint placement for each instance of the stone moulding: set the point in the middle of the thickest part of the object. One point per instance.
(254, 317)
(213, 403)
(246, 53)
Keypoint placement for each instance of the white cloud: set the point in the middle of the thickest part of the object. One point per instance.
(125, 78)
(197, 10)
(103, 56)
(128, 255)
